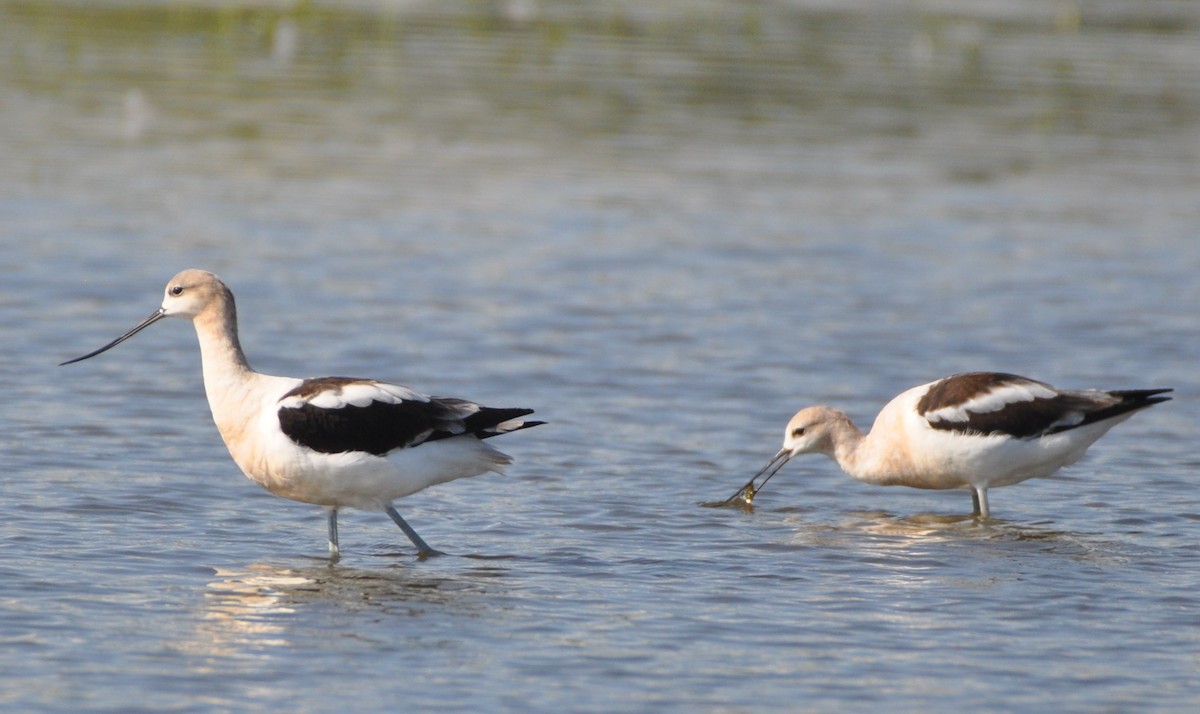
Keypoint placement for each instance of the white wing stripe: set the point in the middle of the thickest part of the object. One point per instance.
(357, 394)
(993, 400)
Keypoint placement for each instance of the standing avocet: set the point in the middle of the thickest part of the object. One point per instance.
(337, 442)
(976, 430)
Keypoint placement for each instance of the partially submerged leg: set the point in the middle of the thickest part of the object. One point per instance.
(979, 502)
(423, 549)
(334, 551)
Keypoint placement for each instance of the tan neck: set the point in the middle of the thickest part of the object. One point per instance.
(846, 446)
(219, 347)
(873, 458)
(226, 372)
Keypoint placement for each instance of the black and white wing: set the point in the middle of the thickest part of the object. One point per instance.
(340, 414)
(1010, 405)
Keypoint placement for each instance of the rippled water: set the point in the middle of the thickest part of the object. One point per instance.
(665, 228)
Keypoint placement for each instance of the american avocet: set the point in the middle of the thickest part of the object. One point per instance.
(336, 442)
(976, 430)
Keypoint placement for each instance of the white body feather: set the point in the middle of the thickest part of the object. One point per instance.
(976, 430)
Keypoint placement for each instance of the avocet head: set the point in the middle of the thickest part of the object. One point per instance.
(190, 292)
(187, 295)
(809, 431)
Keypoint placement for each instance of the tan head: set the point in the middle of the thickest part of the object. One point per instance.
(191, 291)
(188, 294)
(811, 431)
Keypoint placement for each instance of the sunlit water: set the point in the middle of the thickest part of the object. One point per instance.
(665, 229)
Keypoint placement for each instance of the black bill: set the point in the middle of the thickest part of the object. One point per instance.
(154, 317)
(745, 495)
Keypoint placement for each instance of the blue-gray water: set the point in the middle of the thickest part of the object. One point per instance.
(665, 227)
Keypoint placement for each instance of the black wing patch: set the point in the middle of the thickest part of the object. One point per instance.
(378, 427)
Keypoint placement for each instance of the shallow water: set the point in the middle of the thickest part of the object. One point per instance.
(664, 228)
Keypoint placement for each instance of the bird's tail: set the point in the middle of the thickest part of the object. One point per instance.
(1139, 398)
(1128, 401)
(491, 421)
(507, 427)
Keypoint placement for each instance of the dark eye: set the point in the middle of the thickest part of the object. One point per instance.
(176, 290)
(797, 432)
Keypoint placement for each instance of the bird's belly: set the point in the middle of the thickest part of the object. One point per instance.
(927, 479)
(349, 479)
(360, 480)
(955, 461)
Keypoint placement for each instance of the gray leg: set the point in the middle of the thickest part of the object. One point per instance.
(334, 551)
(980, 503)
(423, 549)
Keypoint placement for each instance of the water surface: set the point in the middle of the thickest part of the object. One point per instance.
(666, 228)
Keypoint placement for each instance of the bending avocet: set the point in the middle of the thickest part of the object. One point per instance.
(337, 442)
(976, 430)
